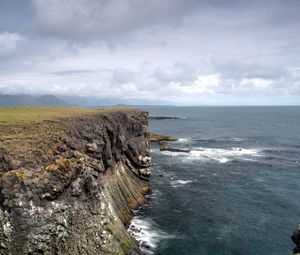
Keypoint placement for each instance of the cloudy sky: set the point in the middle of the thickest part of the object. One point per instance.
(184, 52)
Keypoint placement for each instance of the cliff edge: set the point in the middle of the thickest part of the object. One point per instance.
(69, 181)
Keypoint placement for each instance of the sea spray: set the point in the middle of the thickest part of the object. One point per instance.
(147, 233)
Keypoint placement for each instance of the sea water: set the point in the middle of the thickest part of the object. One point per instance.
(237, 192)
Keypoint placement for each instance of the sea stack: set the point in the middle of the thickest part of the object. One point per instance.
(68, 184)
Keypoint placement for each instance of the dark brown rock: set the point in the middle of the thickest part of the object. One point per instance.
(162, 138)
(172, 149)
(164, 117)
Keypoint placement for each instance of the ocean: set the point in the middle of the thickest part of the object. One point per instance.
(237, 192)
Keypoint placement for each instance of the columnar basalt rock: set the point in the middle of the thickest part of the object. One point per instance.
(74, 190)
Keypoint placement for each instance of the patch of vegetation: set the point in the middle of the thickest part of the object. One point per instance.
(25, 128)
(126, 246)
(13, 115)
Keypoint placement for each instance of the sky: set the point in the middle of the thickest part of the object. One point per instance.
(181, 52)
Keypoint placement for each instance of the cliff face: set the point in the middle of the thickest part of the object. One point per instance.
(68, 186)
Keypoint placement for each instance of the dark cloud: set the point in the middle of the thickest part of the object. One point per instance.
(90, 19)
(83, 20)
(15, 15)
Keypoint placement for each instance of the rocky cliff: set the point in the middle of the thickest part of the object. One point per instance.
(68, 185)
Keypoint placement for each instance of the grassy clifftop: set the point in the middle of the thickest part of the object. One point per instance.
(38, 114)
(21, 127)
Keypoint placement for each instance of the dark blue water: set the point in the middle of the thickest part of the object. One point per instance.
(236, 193)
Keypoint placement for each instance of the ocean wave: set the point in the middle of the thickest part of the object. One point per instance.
(180, 183)
(174, 153)
(237, 139)
(154, 150)
(223, 160)
(183, 140)
(222, 156)
(228, 139)
(147, 233)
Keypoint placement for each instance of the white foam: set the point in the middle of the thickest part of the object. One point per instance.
(237, 139)
(222, 156)
(183, 140)
(173, 153)
(146, 232)
(231, 139)
(179, 183)
(223, 160)
(154, 150)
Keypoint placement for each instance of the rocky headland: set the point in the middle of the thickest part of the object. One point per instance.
(69, 180)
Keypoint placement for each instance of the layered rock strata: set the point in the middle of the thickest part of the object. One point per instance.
(68, 186)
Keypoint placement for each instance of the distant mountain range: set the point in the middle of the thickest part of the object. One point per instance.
(84, 101)
(28, 100)
(95, 101)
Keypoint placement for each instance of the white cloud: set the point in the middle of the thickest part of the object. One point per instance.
(9, 43)
(138, 85)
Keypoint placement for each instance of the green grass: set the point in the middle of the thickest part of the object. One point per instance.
(127, 247)
(38, 114)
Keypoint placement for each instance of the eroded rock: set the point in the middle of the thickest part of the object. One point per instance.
(162, 138)
(74, 189)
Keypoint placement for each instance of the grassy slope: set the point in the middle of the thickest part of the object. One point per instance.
(38, 114)
(14, 115)
(21, 126)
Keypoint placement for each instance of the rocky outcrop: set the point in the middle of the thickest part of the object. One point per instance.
(163, 118)
(163, 147)
(296, 239)
(162, 138)
(69, 186)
